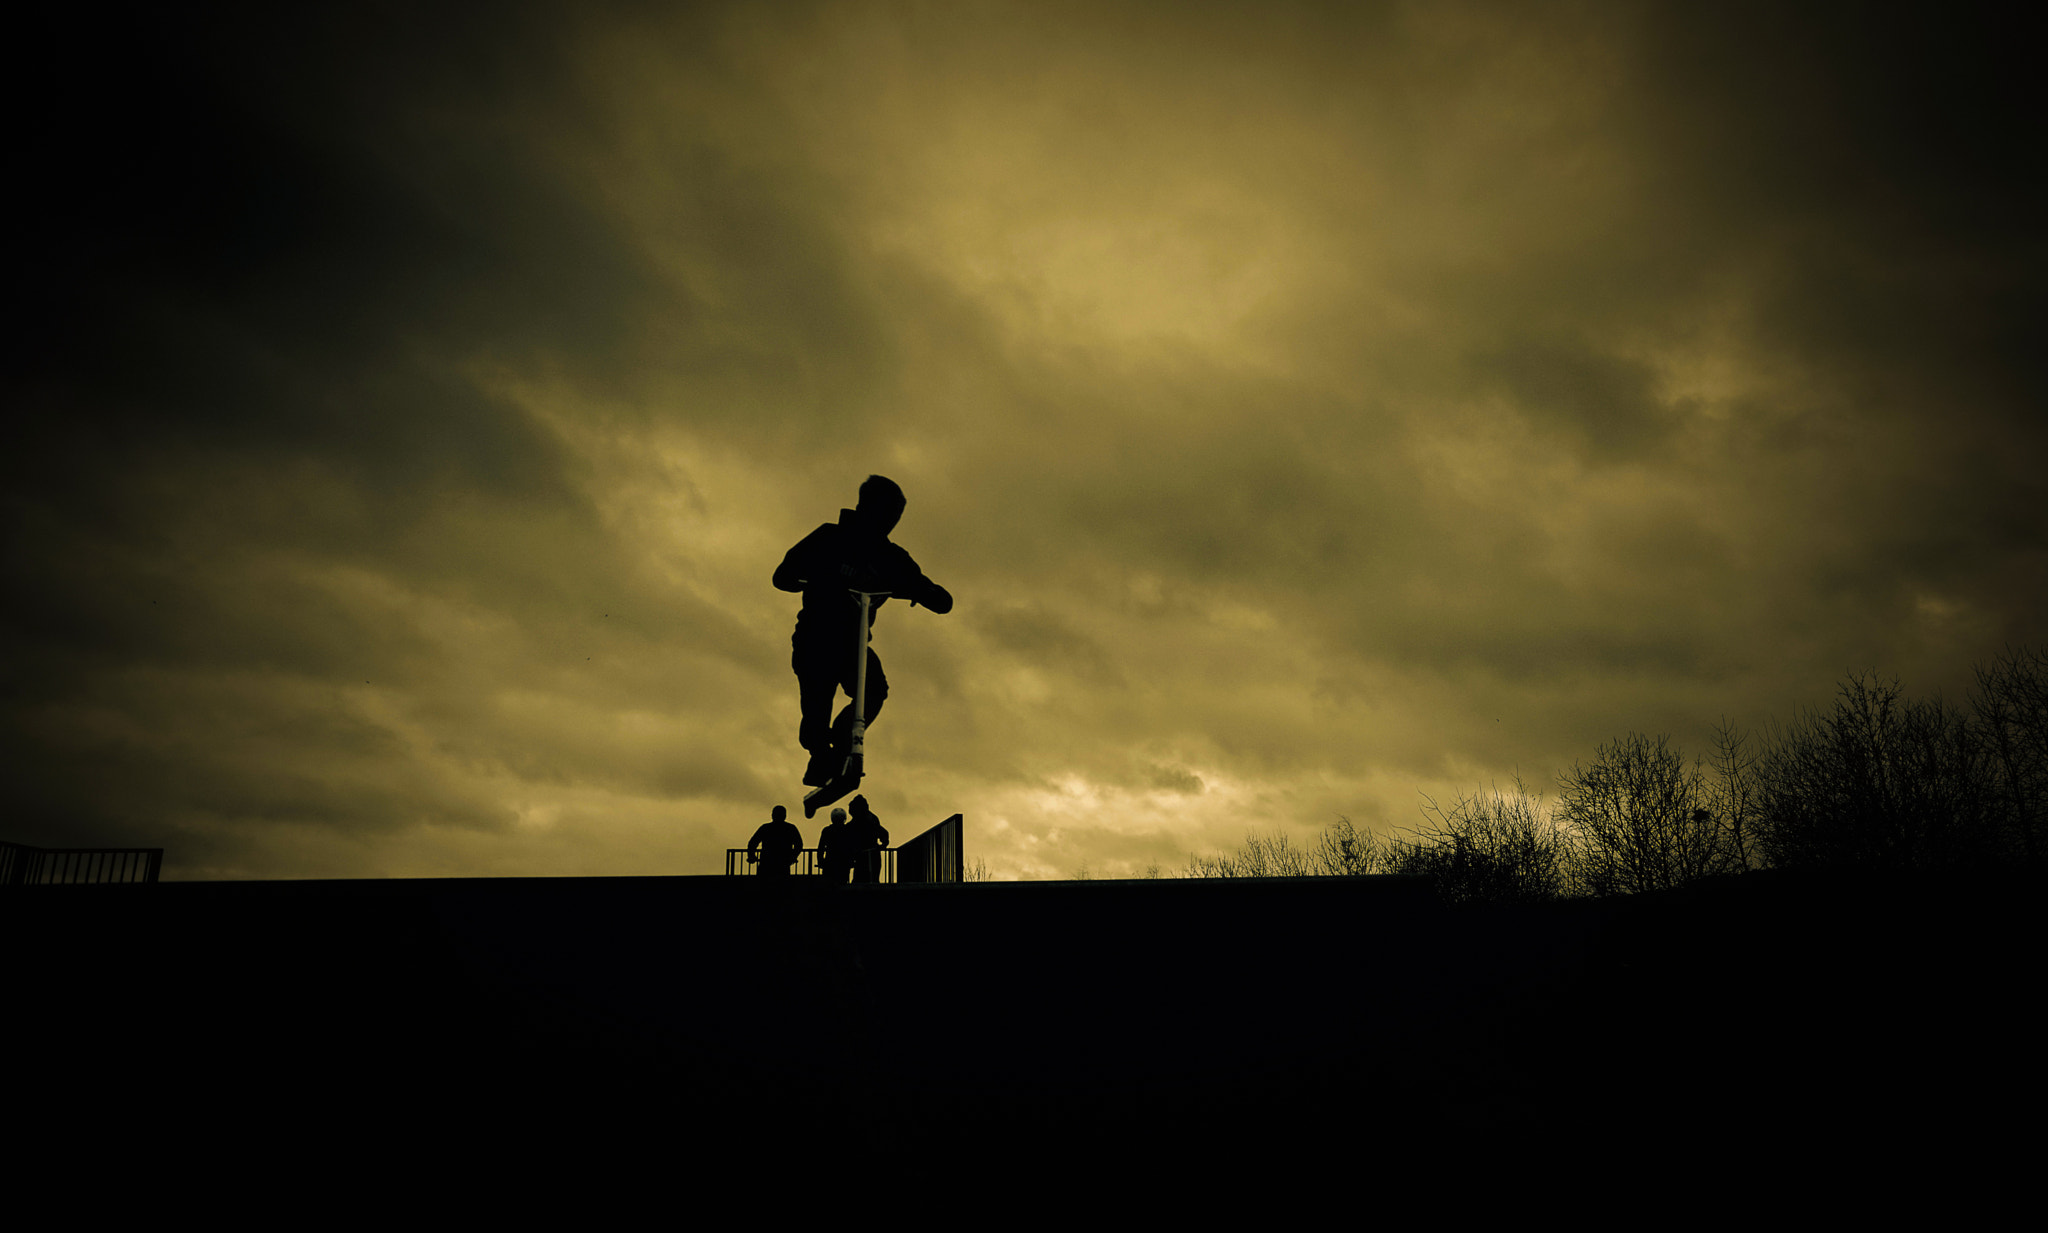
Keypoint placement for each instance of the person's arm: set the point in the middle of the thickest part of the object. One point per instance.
(801, 562)
(919, 589)
(790, 575)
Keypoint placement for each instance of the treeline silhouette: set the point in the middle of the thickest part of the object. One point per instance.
(1879, 782)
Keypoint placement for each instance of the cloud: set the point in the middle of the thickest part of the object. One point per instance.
(1306, 404)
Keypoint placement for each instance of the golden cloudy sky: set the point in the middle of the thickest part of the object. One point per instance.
(1309, 406)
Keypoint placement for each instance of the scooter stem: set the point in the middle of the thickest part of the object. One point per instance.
(860, 672)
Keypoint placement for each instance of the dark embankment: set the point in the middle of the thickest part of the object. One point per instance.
(696, 1020)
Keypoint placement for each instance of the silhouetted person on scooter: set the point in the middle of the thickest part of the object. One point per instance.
(828, 566)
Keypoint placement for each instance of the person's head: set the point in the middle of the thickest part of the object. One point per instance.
(778, 813)
(859, 803)
(881, 502)
(838, 816)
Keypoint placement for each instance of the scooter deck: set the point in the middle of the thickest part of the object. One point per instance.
(837, 787)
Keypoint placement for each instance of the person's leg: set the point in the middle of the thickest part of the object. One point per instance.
(815, 693)
(817, 683)
(877, 693)
(817, 680)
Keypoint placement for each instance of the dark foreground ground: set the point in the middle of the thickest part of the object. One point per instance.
(1177, 1027)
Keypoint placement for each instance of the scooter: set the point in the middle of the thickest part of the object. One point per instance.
(848, 776)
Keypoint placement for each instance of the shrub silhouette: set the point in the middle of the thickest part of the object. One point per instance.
(1341, 851)
(1490, 847)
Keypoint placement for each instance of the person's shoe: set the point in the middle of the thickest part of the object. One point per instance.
(824, 764)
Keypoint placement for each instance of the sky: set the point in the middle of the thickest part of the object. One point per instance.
(1314, 410)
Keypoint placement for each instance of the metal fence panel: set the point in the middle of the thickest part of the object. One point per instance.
(21, 865)
(938, 855)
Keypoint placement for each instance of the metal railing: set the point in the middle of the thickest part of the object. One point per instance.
(738, 866)
(21, 865)
(938, 855)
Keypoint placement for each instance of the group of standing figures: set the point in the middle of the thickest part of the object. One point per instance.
(850, 848)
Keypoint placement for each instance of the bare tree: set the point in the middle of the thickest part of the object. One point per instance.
(1640, 818)
(1732, 793)
(2011, 704)
(1879, 781)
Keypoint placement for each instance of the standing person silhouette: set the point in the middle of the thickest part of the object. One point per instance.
(826, 566)
(867, 840)
(776, 844)
(835, 859)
